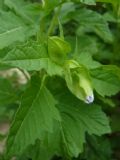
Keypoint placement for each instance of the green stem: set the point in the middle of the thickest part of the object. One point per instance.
(54, 21)
(41, 32)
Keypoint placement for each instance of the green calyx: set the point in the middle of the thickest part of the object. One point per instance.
(78, 81)
(58, 49)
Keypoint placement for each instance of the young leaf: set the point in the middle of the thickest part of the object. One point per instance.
(36, 114)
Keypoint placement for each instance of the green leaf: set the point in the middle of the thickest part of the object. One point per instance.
(7, 92)
(30, 12)
(11, 30)
(14, 30)
(1, 4)
(36, 152)
(85, 43)
(91, 21)
(106, 80)
(32, 56)
(86, 59)
(77, 119)
(87, 119)
(36, 114)
(108, 102)
(65, 9)
(98, 147)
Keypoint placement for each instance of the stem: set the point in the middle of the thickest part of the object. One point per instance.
(61, 30)
(41, 33)
(54, 21)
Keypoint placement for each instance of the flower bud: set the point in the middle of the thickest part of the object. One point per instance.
(58, 49)
(78, 81)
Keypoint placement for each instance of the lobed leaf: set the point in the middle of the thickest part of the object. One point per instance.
(32, 56)
(36, 114)
(86, 59)
(106, 80)
(30, 12)
(14, 30)
(91, 21)
(69, 135)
